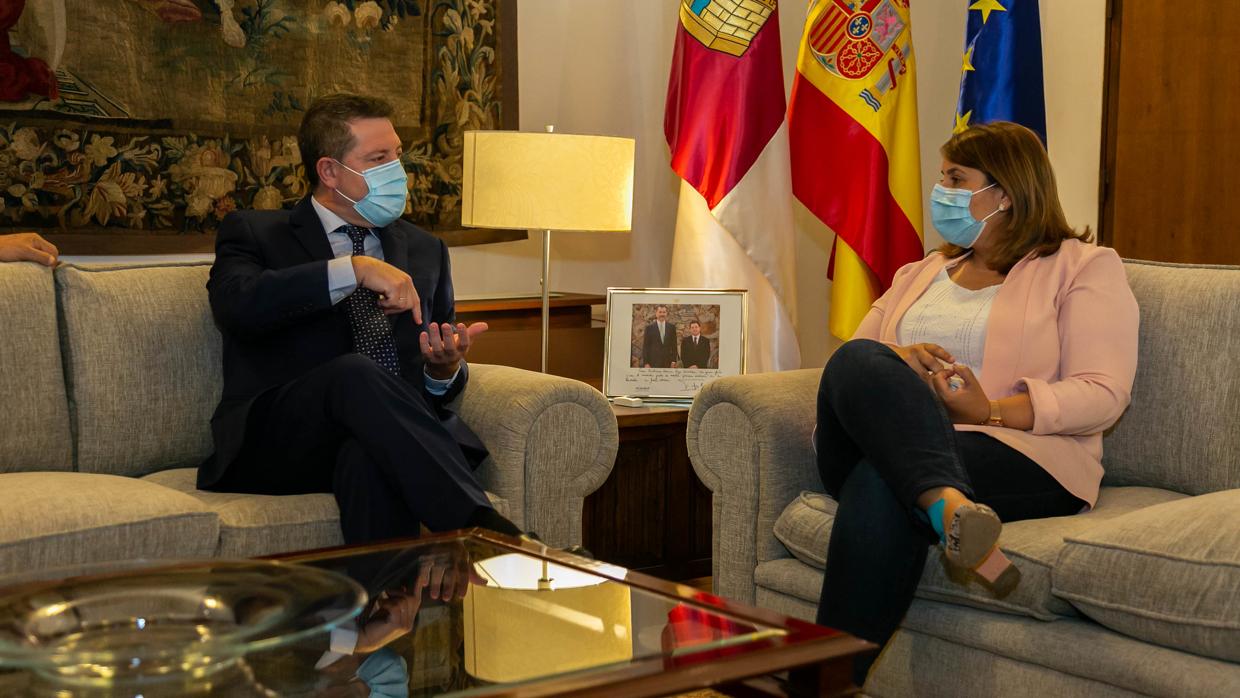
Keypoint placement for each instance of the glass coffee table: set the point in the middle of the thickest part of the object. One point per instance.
(468, 613)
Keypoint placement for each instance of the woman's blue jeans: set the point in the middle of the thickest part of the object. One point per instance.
(884, 438)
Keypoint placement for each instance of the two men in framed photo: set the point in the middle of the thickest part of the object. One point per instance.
(664, 346)
(667, 343)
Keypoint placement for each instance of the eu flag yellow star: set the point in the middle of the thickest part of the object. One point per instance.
(962, 122)
(968, 61)
(986, 7)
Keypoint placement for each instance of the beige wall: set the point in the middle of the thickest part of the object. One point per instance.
(591, 66)
(601, 66)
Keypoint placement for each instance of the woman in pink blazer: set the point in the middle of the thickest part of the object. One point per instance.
(976, 389)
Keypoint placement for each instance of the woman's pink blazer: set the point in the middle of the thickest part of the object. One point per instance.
(1062, 328)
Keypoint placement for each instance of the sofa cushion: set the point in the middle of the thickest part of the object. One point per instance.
(805, 527)
(978, 645)
(1033, 546)
(53, 519)
(1168, 574)
(1179, 432)
(945, 650)
(255, 524)
(34, 432)
(143, 363)
(791, 577)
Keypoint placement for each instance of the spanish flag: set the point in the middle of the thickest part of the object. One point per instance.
(725, 128)
(852, 126)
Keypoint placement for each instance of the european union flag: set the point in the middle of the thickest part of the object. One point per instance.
(1001, 76)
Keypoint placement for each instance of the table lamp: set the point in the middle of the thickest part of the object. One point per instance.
(536, 618)
(547, 181)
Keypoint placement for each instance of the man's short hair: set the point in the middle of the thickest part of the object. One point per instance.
(695, 322)
(656, 308)
(324, 130)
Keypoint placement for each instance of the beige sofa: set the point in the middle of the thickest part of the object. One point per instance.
(108, 376)
(1140, 596)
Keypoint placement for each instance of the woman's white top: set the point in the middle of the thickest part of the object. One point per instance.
(952, 317)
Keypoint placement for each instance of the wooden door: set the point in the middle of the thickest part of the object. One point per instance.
(1170, 142)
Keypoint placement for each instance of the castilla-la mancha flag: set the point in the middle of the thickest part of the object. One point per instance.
(725, 126)
(856, 165)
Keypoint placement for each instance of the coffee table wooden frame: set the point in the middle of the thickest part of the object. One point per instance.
(820, 658)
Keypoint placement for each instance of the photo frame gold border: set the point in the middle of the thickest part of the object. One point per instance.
(704, 292)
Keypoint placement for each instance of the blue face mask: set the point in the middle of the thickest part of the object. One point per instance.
(386, 674)
(949, 211)
(388, 190)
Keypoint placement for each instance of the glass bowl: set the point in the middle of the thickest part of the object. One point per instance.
(167, 622)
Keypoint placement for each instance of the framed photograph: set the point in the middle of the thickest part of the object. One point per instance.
(665, 343)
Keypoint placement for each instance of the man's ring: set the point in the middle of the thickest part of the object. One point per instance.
(401, 298)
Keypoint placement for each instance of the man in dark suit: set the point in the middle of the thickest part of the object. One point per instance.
(659, 342)
(695, 349)
(340, 353)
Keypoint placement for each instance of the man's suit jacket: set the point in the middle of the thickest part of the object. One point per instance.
(659, 353)
(694, 354)
(269, 295)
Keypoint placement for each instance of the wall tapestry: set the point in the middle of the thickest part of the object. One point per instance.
(137, 125)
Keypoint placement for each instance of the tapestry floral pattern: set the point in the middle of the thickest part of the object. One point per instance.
(83, 177)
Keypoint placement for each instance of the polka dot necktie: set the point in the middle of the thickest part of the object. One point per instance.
(372, 333)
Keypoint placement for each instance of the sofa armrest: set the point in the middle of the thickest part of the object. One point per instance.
(749, 441)
(552, 441)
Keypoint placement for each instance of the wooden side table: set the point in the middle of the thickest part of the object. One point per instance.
(515, 337)
(652, 514)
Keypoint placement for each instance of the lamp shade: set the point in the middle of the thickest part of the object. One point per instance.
(548, 181)
(515, 631)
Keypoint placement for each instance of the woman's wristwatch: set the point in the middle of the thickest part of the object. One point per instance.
(996, 417)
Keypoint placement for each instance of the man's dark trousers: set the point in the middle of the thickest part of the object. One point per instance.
(301, 412)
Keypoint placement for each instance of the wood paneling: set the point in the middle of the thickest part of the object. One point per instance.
(1170, 139)
(652, 514)
(575, 349)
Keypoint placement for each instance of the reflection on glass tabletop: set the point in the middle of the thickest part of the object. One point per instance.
(467, 614)
(493, 615)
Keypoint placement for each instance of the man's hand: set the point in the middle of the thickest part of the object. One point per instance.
(27, 247)
(394, 616)
(444, 346)
(925, 359)
(444, 573)
(395, 287)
